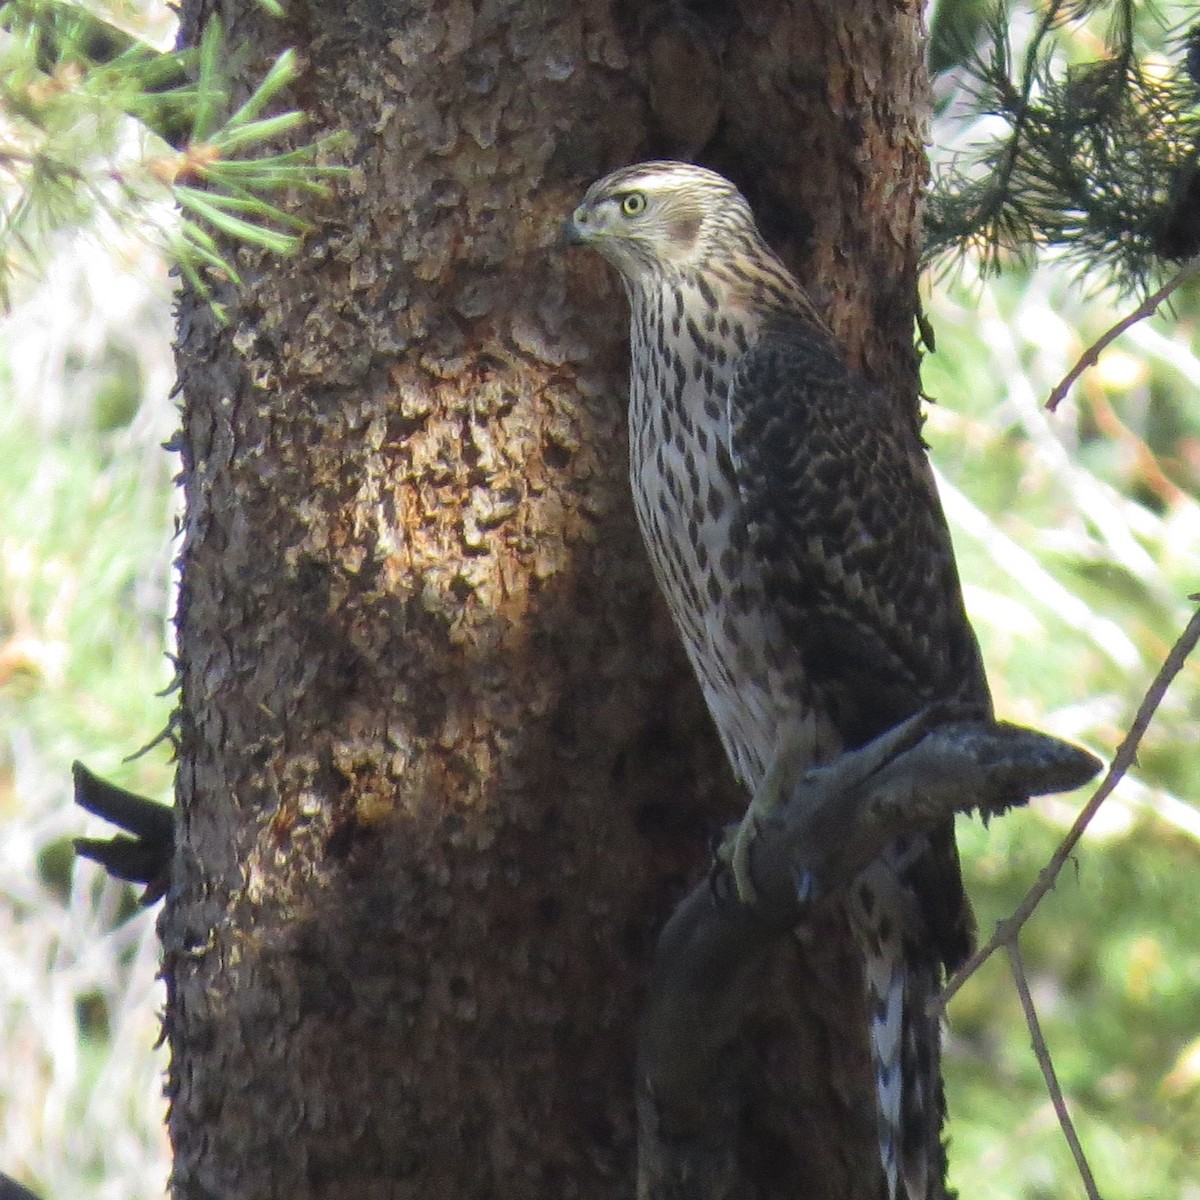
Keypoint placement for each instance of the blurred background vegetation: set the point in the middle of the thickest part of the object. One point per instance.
(1078, 534)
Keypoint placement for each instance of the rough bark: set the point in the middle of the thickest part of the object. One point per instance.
(443, 770)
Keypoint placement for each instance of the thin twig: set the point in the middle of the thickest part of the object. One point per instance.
(1147, 308)
(1042, 1053)
(1126, 755)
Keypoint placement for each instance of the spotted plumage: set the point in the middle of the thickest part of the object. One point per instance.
(795, 532)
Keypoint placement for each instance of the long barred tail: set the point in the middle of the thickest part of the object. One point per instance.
(905, 1041)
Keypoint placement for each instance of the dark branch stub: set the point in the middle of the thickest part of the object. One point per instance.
(143, 853)
(10, 1189)
(836, 822)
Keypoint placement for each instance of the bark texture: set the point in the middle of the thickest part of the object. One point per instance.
(443, 770)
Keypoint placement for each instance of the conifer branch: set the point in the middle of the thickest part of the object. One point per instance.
(1100, 160)
(60, 32)
(216, 165)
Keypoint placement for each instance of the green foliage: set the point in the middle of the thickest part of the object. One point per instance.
(1078, 538)
(1092, 148)
(69, 85)
(85, 563)
(226, 156)
(1116, 980)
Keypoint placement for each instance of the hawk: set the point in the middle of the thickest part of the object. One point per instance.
(795, 531)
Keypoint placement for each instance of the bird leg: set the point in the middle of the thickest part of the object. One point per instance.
(790, 760)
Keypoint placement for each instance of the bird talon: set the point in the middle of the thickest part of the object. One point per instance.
(734, 854)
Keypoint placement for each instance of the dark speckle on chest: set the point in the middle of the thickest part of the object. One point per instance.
(685, 351)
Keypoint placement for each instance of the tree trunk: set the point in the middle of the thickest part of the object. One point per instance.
(443, 769)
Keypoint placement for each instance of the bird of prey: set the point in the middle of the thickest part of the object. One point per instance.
(795, 531)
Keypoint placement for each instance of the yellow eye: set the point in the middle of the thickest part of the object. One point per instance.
(633, 203)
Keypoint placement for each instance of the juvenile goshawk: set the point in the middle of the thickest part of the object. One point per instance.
(795, 531)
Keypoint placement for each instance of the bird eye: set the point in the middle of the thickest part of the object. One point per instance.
(633, 203)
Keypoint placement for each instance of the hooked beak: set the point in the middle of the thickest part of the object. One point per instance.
(577, 231)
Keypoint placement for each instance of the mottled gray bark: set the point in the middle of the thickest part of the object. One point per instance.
(443, 771)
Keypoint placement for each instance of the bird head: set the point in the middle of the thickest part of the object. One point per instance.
(659, 217)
